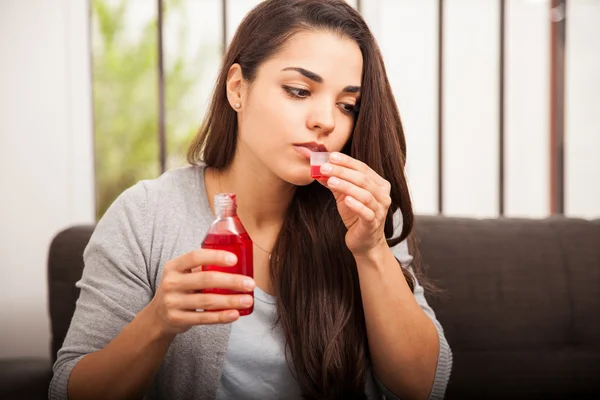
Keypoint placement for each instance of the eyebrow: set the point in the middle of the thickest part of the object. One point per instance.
(351, 89)
(317, 78)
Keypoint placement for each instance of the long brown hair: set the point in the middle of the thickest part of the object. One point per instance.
(314, 274)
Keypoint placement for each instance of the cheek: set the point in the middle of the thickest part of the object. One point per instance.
(257, 133)
(346, 126)
(271, 119)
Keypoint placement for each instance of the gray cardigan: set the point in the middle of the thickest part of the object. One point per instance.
(149, 224)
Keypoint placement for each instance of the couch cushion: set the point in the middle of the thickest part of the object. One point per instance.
(24, 378)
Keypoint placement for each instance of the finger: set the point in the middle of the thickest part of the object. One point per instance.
(347, 161)
(363, 212)
(206, 317)
(380, 192)
(200, 257)
(210, 301)
(216, 280)
(349, 189)
(358, 178)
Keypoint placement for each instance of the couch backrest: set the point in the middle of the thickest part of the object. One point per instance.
(520, 310)
(65, 266)
(522, 304)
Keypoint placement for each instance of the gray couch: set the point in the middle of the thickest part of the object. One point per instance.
(520, 307)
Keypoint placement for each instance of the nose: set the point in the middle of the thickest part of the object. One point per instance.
(322, 117)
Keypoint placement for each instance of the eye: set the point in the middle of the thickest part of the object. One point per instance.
(348, 108)
(295, 92)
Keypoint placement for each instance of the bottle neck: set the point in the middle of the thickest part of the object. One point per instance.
(225, 205)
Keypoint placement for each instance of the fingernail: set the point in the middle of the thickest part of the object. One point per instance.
(335, 157)
(326, 168)
(249, 284)
(246, 301)
(333, 181)
(231, 259)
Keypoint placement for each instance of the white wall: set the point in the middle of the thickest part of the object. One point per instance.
(470, 118)
(527, 112)
(46, 162)
(582, 119)
(407, 33)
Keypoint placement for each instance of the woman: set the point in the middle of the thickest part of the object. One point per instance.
(338, 312)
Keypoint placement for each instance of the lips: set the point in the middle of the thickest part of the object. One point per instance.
(313, 146)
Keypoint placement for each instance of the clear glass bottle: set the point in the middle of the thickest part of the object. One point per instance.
(227, 233)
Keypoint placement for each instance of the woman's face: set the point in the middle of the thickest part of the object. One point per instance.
(302, 99)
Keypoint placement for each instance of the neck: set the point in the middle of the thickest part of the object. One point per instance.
(262, 197)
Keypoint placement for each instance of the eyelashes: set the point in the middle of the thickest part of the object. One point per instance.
(300, 93)
(295, 92)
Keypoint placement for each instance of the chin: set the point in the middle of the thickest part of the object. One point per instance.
(299, 179)
(299, 176)
(303, 181)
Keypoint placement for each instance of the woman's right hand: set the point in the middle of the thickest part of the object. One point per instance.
(178, 296)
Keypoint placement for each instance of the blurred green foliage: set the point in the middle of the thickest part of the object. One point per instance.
(125, 98)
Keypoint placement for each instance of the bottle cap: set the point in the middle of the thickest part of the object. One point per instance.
(225, 201)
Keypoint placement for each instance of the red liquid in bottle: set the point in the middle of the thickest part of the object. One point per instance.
(315, 172)
(227, 233)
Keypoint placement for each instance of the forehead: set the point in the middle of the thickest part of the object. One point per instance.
(335, 58)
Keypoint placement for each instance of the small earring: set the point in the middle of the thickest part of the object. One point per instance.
(238, 105)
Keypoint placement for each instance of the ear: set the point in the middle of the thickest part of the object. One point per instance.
(235, 86)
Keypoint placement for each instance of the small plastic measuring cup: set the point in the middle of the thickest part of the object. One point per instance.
(316, 160)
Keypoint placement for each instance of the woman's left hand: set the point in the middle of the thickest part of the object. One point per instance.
(363, 199)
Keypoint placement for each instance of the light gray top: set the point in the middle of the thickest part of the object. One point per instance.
(255, 367)
(149, 224)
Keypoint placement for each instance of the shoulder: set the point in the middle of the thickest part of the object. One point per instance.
(178, 183)
(152, 212)
(170, 194)
(173, 188)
